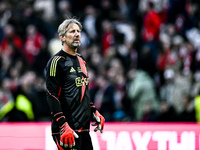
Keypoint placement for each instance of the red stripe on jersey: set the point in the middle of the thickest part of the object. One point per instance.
(83, 89)
(52, 95)
(59, 92)
(82, 65)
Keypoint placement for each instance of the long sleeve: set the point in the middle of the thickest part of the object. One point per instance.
(53, 88)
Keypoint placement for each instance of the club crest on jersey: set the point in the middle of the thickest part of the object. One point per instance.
(81, 81)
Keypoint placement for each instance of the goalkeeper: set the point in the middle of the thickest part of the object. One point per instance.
(67, 92)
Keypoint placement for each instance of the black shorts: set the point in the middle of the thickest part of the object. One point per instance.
(84, 142)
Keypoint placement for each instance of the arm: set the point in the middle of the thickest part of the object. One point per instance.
(53, 88)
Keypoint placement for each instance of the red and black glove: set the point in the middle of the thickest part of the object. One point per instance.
(100, 120)
(67, 136)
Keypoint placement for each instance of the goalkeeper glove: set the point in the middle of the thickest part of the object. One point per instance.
(67, 136)
(99, 121)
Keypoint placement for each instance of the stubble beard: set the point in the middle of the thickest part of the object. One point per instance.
(73, 45)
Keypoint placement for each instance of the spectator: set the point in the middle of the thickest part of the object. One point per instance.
(109, 10)
(11, 44)
(188, 113)
(150, 114)
(151, 24)
(89, 23)
(141, 90)
(63, 10)
(104, 98)
(150, 33)
(33, 43)
(6, 100)
(195, 84)
(107, 37)
(195, 62)
(166, 113)
(25, 95)
(174, 89)
(163, 60)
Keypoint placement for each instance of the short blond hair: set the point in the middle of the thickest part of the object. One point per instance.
(63, 27)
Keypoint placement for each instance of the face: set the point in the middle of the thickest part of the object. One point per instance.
(73, 36)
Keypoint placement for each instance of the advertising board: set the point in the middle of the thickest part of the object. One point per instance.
(116, 136)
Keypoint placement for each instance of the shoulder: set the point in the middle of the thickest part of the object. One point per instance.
(54, 64)
(55, 61)
(79, 55)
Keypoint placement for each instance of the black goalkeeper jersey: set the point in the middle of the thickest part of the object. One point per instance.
(67, 91)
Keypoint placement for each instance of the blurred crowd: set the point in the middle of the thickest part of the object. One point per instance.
(143, 57)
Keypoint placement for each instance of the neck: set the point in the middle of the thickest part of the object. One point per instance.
(69, 50)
